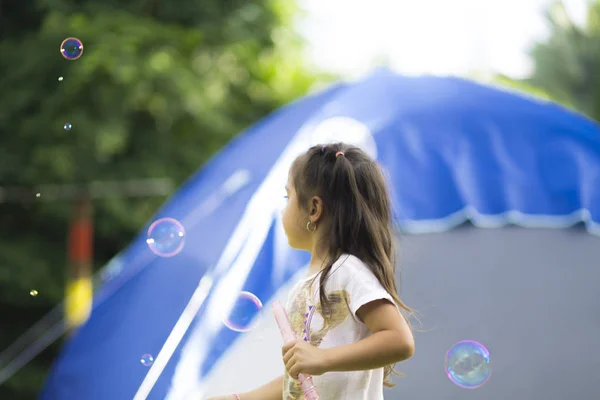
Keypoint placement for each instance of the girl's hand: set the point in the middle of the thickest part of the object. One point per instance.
(301, 357)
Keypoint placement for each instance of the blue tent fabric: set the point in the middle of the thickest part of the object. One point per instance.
(454, 150)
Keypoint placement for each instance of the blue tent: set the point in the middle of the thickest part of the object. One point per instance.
(454, 151)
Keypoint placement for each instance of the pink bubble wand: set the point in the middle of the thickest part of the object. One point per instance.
(310, 391)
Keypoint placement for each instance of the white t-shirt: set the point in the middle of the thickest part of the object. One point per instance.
(350, 285)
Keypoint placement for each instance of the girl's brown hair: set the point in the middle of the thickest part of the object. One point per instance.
(357, 203)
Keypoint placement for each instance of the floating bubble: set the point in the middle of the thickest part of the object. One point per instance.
(33, 293)
(245, 308)
(147, 360)
(67, 126)
(71, 48)
(166, 237)
(38, 194)
(468, 364)
(60, 78)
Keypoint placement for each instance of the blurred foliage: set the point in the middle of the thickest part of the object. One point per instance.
(161, 86)
(507, 82)
(567, 64)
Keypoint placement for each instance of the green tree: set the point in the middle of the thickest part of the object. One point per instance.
(160, 87)
(567, 64)
(519, 86)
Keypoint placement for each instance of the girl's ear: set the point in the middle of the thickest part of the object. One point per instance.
(316, 207)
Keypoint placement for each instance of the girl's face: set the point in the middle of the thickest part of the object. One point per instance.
(293, 215)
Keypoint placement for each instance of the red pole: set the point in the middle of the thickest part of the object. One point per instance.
(80, 237)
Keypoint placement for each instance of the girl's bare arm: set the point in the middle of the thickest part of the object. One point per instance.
(270, 391)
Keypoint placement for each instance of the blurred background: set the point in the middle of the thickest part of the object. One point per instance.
(90, 148)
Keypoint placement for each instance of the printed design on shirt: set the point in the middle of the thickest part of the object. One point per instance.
(309, 316)
(312, 326)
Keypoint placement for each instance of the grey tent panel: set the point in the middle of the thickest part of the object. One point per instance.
(531, 296)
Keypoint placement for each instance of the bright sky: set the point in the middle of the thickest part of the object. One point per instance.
(439, 37)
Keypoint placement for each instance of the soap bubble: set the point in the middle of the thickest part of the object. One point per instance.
(38, 194)
(245, 308)
(147, 360)
(166, 237)
(60, 78)
(67, 126)
(33, 293)
(468, 364)
(71, 48)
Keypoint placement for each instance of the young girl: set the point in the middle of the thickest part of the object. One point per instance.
(346, 313)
